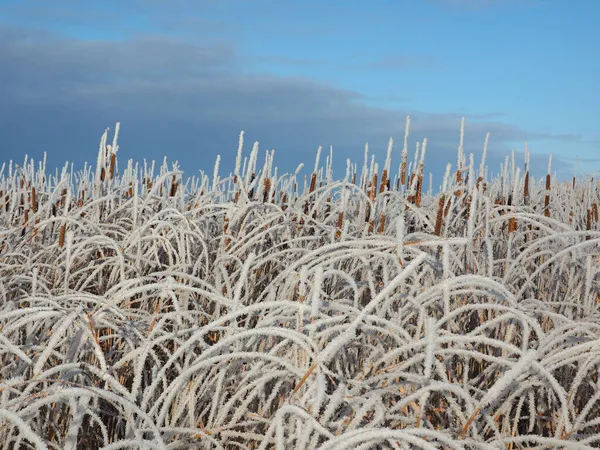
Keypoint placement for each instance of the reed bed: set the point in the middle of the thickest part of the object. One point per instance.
(258, 310)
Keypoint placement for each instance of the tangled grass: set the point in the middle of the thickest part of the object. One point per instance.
(145, 310)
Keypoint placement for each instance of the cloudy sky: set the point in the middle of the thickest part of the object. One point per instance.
(185, 76)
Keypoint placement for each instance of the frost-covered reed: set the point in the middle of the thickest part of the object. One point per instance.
(258, 310)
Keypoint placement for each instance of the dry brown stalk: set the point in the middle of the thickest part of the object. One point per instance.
(367, 211)
(91, 325)
(547, 197)
(174, 186)
(512, 225)
(33, 199)
(381, 227)
(384, 182)
(61, 236)
(155, 317)
(304, 378)
(440, 213)
(459, 191)
(327, 208)
(340, 223)
(446, 209)
(419, 189)
(479, 180)
(266, 189)
(403, 173)
(371, 226)
(501, 202)
(409, 243)
(111, 170)
(373, 189)
(251, 193)
(225, 230)
(313, 182)
(465, 429)
(588, 225)
(467, 204)
(526, 185)
(595, 211)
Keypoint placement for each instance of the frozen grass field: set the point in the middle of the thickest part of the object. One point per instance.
(259, 310)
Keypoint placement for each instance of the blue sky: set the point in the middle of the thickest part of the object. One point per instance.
(183, 77)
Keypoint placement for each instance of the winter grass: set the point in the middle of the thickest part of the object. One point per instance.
(141, 309)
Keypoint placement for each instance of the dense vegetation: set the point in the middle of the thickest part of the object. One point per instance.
(141, 309)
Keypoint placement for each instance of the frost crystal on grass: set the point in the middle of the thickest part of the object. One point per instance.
(259, 310)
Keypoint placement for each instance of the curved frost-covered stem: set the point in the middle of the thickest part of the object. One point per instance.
(139, 307)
